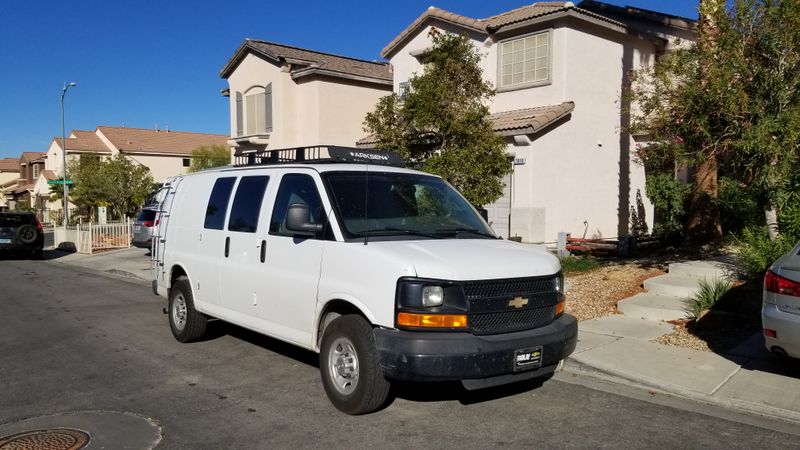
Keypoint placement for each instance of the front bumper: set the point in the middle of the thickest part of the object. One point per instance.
(439, 356)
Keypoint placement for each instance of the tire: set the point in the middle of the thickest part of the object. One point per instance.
(27, 234)
(350, 366)
(186, 323)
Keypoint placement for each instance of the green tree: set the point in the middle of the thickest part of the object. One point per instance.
(727, 105)
(210, 156)
(442, 125)
(117, 183)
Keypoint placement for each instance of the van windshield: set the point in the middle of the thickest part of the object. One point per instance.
(402, 204)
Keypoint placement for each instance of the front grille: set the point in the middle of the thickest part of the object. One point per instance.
(491, 310)
(508, 321)
(510, 287)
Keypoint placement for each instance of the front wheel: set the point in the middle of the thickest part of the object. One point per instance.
(187, 324)
(350, 366)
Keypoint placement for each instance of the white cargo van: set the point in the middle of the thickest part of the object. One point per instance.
(387, 273)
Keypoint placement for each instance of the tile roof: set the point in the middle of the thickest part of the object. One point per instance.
(518, 121)
(529, 120)
(436, 13)
(9, 165)
(524, 13)
(24, 188)
(310, 59)
(497, 22)
(84, 141)
(49, 175)
(140, 140)
(31, 156)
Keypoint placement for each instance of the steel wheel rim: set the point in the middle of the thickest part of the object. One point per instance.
(179, 312)
(343, 365)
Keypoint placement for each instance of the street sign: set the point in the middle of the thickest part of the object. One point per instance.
(69, 182)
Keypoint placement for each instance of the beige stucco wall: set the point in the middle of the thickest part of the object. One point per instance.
(161, 167)
(581, 169)
(307, 111)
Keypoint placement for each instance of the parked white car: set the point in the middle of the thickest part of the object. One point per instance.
(387, 273)
(780, 313)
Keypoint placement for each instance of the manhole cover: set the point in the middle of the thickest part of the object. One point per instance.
(51, 439)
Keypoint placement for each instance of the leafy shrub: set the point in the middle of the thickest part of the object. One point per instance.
(709, 294)
(573, 264)
(738, 205)
(758, 252)
(668, 196)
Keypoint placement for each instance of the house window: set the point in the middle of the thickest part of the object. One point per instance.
(525, 61)
(403, 90)
(187, 162)
(35, 171)
(257, 110)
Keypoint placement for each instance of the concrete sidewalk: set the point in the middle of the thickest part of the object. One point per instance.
(132, 263)
(623, 348)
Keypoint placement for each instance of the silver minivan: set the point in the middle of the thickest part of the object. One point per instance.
(780, 313)
(143, 227)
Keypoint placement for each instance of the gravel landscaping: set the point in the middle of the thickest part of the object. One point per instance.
(595, 293)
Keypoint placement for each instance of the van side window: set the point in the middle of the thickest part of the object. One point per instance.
(218, 203)
(247, 204)
(295, 188)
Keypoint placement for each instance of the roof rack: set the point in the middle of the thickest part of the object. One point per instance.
(317, 154)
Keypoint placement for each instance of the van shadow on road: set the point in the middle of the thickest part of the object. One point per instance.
(411, 391)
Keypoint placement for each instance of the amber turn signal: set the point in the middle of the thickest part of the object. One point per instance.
(560, 307)
(431, 320)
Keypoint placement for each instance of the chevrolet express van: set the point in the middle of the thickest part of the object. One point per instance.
(387, 273)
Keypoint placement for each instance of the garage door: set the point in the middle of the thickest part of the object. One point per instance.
(499, 212)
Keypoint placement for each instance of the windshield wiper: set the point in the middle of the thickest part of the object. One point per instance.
(459, 231)
(395, 231)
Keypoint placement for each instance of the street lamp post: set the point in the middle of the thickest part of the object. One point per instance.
(64, 151)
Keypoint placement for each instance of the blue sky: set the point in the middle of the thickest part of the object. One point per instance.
(151, 62)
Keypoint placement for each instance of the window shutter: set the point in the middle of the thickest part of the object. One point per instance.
(239, 115)
(268, 107)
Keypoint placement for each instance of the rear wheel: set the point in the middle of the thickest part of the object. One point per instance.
(350, 366)
(187, 324)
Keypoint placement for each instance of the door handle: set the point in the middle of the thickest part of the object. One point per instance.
(227, 245)
(263, 251)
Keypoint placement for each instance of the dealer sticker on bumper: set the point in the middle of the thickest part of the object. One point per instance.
(530, 358)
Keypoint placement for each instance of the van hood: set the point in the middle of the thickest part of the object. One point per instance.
(471, 259)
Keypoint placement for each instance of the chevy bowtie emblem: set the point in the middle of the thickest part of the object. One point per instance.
(518, 302)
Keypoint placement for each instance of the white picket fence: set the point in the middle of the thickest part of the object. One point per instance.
(91, 237)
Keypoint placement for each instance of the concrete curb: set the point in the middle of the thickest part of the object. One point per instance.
(573, 365)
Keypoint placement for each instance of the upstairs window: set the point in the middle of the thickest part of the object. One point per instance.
(254, 111)
(403, 90)
(525, 61)
(35, 171)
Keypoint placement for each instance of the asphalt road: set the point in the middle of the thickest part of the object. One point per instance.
(71, 340)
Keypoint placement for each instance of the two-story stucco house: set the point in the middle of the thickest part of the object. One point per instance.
(560, 72)
(30, 166)
(9, 174)
(165, 152)
(283, 96)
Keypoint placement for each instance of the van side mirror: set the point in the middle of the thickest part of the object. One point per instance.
(298, 219)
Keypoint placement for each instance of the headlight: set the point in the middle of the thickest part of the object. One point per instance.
(560, 284)
(432, 296)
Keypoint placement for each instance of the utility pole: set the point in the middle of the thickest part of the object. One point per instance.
(64, 152)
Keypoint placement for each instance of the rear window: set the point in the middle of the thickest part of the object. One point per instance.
(15, 220)
(147, 215)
